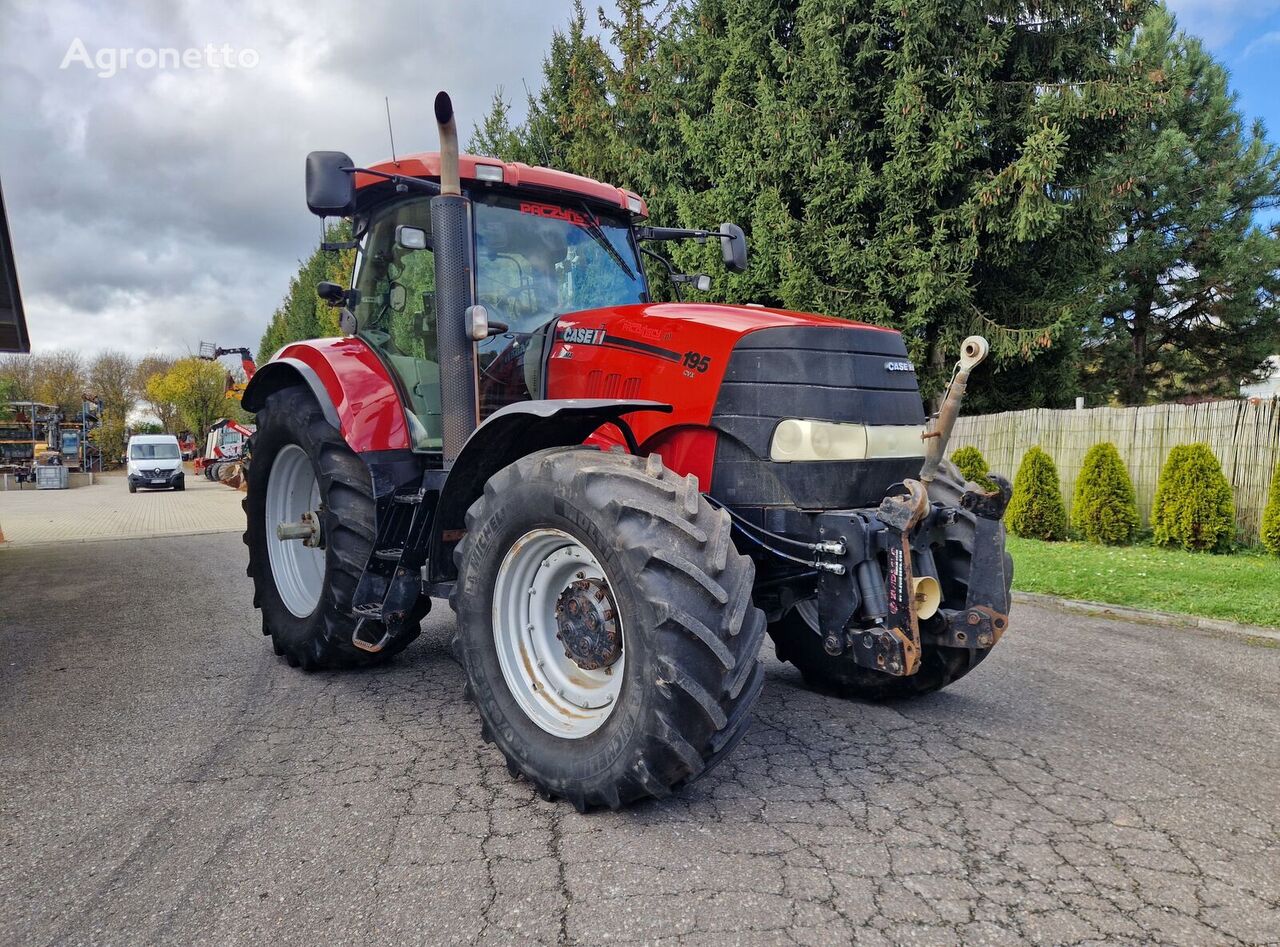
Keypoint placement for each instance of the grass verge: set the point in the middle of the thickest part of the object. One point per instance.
(1244, 587)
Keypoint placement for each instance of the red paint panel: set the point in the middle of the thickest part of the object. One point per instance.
(514, 173)
(677, 351)
(686, 450)
(362, 391)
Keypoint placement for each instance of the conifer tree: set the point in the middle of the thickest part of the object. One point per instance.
(1035, 509)
(1189, 307)
(1104, 507)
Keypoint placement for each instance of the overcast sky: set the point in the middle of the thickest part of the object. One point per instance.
(154, 208)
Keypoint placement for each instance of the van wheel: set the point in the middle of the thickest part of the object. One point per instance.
(132, 488)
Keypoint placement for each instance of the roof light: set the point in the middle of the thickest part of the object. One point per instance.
(634, 204)
(489, 172)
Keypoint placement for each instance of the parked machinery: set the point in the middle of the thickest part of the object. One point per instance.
(618, 497)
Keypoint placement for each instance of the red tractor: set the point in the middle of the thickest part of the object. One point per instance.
(618, 497)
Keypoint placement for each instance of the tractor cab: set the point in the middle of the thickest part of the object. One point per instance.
(539, 253)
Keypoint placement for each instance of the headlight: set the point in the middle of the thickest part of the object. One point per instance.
(798, 439)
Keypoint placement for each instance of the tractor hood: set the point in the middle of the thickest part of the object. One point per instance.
(740, 371)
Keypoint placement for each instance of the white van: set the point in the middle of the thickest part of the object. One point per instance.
(155, 461)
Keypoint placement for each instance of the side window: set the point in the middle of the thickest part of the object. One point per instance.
(395, 310)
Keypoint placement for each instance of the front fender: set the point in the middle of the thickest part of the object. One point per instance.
(507, 435)
(352, 385)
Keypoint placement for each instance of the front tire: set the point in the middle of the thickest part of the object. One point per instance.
(666, 687)
(301, 464)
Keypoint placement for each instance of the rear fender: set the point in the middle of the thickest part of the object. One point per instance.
(507, 435)
(352, 385)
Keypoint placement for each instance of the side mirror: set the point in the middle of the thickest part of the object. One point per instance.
(733, 248)
(699, 281)
(331, 293)
(331, 187)
(411, 238)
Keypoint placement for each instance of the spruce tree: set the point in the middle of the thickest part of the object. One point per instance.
(1192, 276)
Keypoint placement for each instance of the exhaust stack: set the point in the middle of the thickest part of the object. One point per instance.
(972, 351)
(450, 181)
(455, 292)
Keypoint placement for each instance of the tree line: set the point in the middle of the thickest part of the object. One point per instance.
(179, 393)
(1071, 178)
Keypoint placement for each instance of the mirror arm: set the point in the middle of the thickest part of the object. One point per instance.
(671, 271)
(399, 180)
(679, 233)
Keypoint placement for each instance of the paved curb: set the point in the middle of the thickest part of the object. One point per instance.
(1147, 616)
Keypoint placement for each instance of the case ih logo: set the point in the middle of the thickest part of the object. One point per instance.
(899, 367)
(583, 336)
(553, 212)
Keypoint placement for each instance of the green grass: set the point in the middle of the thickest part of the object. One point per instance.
(1244, 587)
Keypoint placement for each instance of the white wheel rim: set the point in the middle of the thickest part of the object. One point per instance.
(552, 690)
(298, 569)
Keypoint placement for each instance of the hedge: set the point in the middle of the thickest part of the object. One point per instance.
(971, 464)
(1104, 507)
(1036, 510)
(1271, 516)
(1193, 506)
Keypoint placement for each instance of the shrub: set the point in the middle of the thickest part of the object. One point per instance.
(1035, 509)
(1271, 516)
(971, 464)
(1193, 506)
(1104, 507)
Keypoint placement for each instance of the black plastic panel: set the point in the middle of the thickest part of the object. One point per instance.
(823, 373)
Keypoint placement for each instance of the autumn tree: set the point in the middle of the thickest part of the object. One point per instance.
(197, 388)
(60, 379)
(147, 368)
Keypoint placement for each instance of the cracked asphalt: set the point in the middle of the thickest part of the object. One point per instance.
(164, 779)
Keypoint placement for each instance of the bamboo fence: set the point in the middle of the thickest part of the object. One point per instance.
(1244, 435)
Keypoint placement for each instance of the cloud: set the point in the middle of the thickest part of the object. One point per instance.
(159, 207)
(1218, 22)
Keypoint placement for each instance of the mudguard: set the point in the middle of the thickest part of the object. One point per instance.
(352, 385)
(507, 435)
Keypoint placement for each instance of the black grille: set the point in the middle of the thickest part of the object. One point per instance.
(823, 373)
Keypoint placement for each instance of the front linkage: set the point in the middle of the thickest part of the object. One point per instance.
(877, 618)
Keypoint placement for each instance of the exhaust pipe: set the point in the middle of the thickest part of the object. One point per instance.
(450, 182)
(972, 351)
(455, 292)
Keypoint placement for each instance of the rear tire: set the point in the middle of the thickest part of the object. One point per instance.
(290, 421)
(797, 642)
(680, 592)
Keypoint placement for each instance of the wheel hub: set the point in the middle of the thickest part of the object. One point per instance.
(587, 626)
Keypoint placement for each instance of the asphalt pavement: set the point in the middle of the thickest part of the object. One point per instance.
(164, 779)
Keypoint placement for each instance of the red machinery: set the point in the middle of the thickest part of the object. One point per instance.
(762, 471)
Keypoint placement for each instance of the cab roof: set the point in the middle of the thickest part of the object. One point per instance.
(514, 174)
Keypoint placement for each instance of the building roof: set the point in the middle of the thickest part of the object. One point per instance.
(13, 321)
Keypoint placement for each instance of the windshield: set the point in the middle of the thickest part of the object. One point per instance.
(536, 260)
(153, 452)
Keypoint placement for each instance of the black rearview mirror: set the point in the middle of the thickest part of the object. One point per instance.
(331, 293)
(733, 248)
(331, 189)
